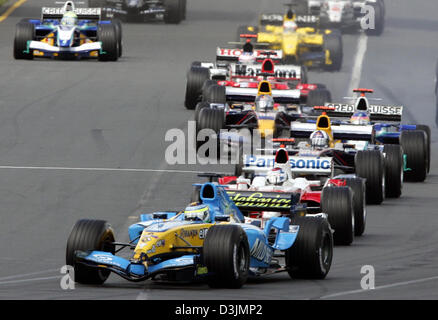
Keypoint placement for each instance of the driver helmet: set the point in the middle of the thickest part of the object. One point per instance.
(290, 26)
(276, 176)
(264, 103)
(360, 117)
(69, 19)
(197, 213)
(247, 58)
(319, 139)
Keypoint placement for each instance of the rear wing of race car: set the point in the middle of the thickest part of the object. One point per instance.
(82, 13)
(261, 164)
(249, 95)
(306, 20)
(264, 201)
(342, 131)
(275, 19)
(281, 72)
(233, 54)
(377, 112)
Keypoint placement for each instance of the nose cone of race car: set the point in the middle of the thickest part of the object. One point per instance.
(65, 36)
(290, 44)
(266, 127)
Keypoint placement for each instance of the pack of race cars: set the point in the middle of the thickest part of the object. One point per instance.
(304, 189)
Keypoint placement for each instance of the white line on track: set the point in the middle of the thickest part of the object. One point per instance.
(358, 62)
(98, 169)
(392, 285)
(30, 280)
(23, 275)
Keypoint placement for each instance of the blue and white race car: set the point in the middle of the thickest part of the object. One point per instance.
(208, 240)
(70, 33)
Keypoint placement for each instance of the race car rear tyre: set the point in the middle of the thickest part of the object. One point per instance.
(226, 255)
(426, 129)
(333, 43)
(94, 235)
(379, 20)
(393, 170)
(118, 25)
(174, 12)
(215, 94)
(370, 166)
(414, 144)
(196, 76)
(358, 187)
(312, 252)
(24, 32)
(337, 203)
(318, 97)
(107, 34)
(199, 106)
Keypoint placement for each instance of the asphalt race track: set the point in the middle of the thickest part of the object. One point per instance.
(87, 114)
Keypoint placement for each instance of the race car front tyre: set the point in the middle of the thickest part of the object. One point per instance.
(370, 166)
(205, 87)
(379, 20)
(199, 106)
(174, 12)
(118, 25)
(357, 185)
(24, 32)
(333, 44)
(107, 34)
(196, 76)
(426, 129)
(86, 235)
(393, 170)
(414, 144)
(213, 119)
(337, 203)
(318, 97)
(226, 255)
(312, 252)
(214, 94)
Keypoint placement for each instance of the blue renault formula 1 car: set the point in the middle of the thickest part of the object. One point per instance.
(68, 32)
(208, 240)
